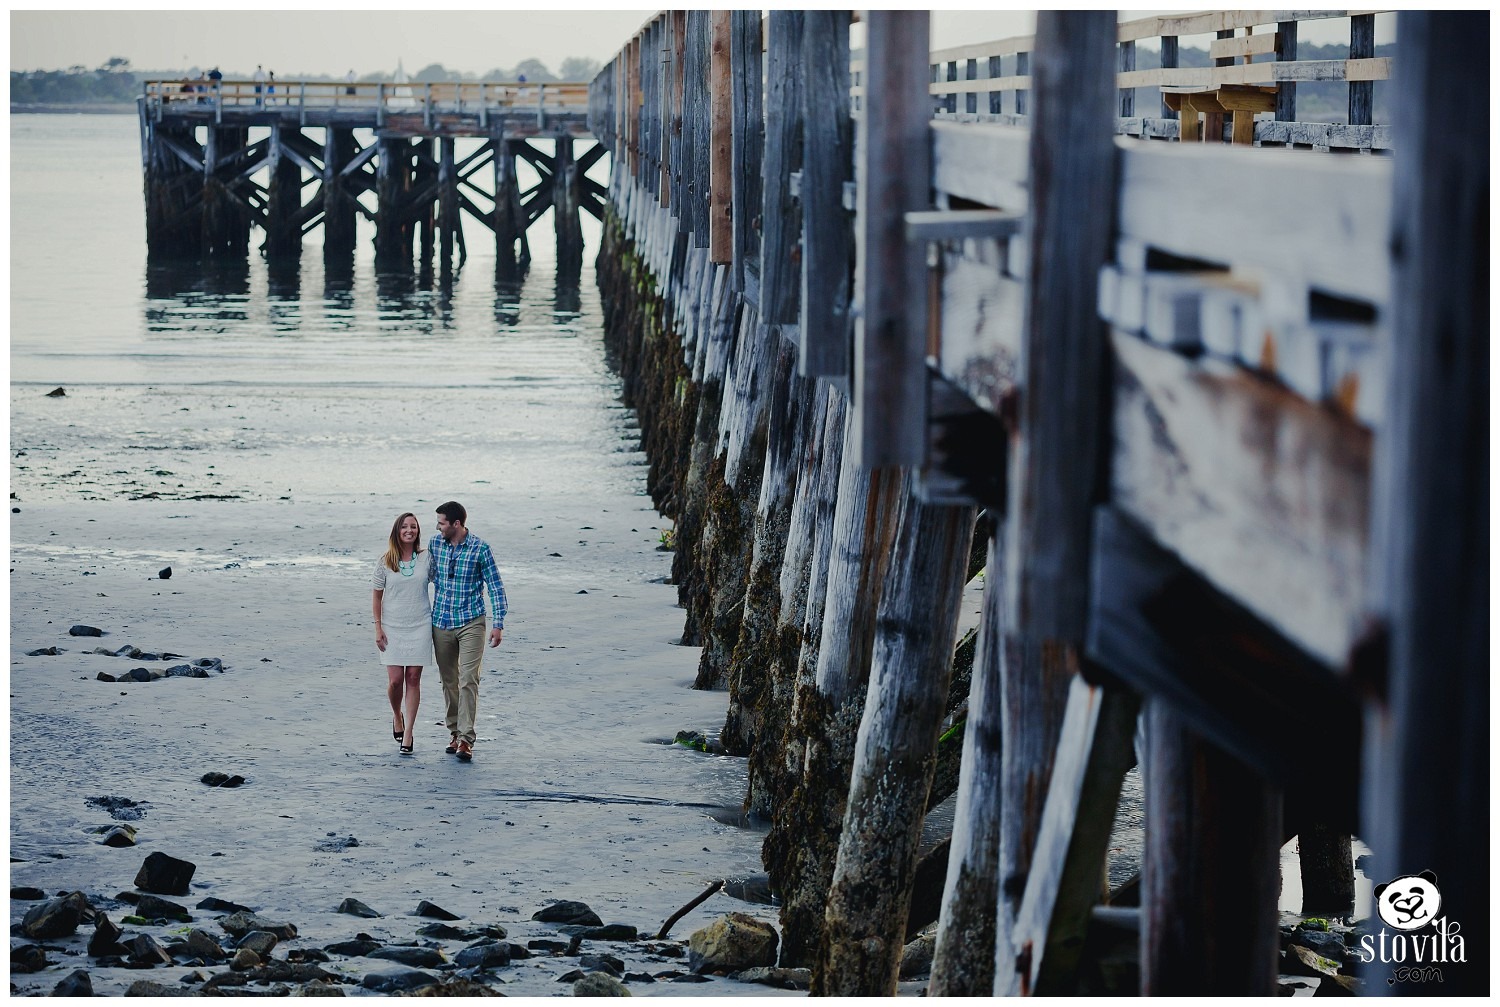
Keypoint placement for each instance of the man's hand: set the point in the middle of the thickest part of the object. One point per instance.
(495, 635)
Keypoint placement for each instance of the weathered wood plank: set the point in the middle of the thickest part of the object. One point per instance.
(1361, 93)
(890, 334)
(980, 336)
(1062, 424)
(721, 143)
(828, 159)
(1427, 785)
(1220, 466)
(1320, 219)
(780, 254)
(981, 163)
(696, 130)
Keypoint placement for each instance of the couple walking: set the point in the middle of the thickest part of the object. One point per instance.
(410, 627)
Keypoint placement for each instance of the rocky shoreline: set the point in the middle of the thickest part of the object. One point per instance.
(221, 948)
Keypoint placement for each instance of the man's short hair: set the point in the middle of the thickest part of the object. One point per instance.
(454, 512)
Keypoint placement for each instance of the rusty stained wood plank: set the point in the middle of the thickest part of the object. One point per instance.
(721, 140)
(1260, 491)
(827, 237)
(890, 336)
(1240, 46)
(1320, 219)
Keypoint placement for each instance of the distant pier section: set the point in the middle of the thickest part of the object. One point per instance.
(221, 157)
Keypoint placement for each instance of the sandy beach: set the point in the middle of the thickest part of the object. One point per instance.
(575, 791)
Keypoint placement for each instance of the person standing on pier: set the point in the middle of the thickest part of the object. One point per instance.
(403, 623)
(260, 83)
(462, 567)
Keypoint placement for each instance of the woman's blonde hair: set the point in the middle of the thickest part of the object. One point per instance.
(393, 550)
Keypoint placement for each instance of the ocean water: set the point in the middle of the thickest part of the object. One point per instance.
(244, 383)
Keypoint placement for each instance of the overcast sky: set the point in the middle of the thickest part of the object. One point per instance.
(331, 42)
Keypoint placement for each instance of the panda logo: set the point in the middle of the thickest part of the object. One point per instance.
(1409, 903)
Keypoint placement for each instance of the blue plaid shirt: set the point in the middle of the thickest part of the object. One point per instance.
(460, 573)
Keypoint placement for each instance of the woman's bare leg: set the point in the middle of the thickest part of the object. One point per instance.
(413, 678)
(393, 693)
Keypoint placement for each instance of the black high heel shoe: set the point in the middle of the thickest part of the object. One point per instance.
(398, 735)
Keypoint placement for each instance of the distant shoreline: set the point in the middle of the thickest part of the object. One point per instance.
(70, 108)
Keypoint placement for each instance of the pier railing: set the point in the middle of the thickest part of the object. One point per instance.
(377, 98)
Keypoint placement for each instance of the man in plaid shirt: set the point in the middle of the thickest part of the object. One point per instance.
(462, 566)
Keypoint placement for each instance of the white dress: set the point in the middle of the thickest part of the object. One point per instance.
(405, 612)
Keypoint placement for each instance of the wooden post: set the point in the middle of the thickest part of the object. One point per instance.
(1127, 64)
(338, 204)
(1063, 419)
(700, 95)
(1286, 91)
(1426, 803)
(721, 143)
(565, 210)
(960, 966)
(680, 156)
(392, 244)
(172, 229)
(893, 179)
(1210, 871)
(1361, 92)
(283, 232)
(1168, 60)
(895, 754)
(828, 163)
(779, 214)
(448, 219)
(749, 149)
(423, 176)
(509, 222)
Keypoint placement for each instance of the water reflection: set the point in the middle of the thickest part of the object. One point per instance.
(185, 278)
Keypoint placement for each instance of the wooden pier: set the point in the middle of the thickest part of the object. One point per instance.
(206, 146)
(1210, 413)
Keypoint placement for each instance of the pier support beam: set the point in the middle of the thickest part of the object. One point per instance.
(509, 221)
(338, 202)
(283, 230)
(423, 188)
(392, 233)
(447, 222)
(565, 210)
(225, 223)
(172, 192)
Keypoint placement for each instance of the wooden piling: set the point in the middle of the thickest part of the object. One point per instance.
(894, 757)
(283, 231)
(392, 232)
(565, 210)
(339, 213)
(1425, 659)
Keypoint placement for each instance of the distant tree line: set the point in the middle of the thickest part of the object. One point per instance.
(115, 81)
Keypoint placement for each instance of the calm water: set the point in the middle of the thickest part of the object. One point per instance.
(180, 371)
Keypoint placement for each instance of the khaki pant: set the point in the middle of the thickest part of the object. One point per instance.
(459, 653)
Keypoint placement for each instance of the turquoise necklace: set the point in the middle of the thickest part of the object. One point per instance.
(408, 566)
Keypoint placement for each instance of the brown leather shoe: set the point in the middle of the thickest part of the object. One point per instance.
(452, 748)
(465, 751)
